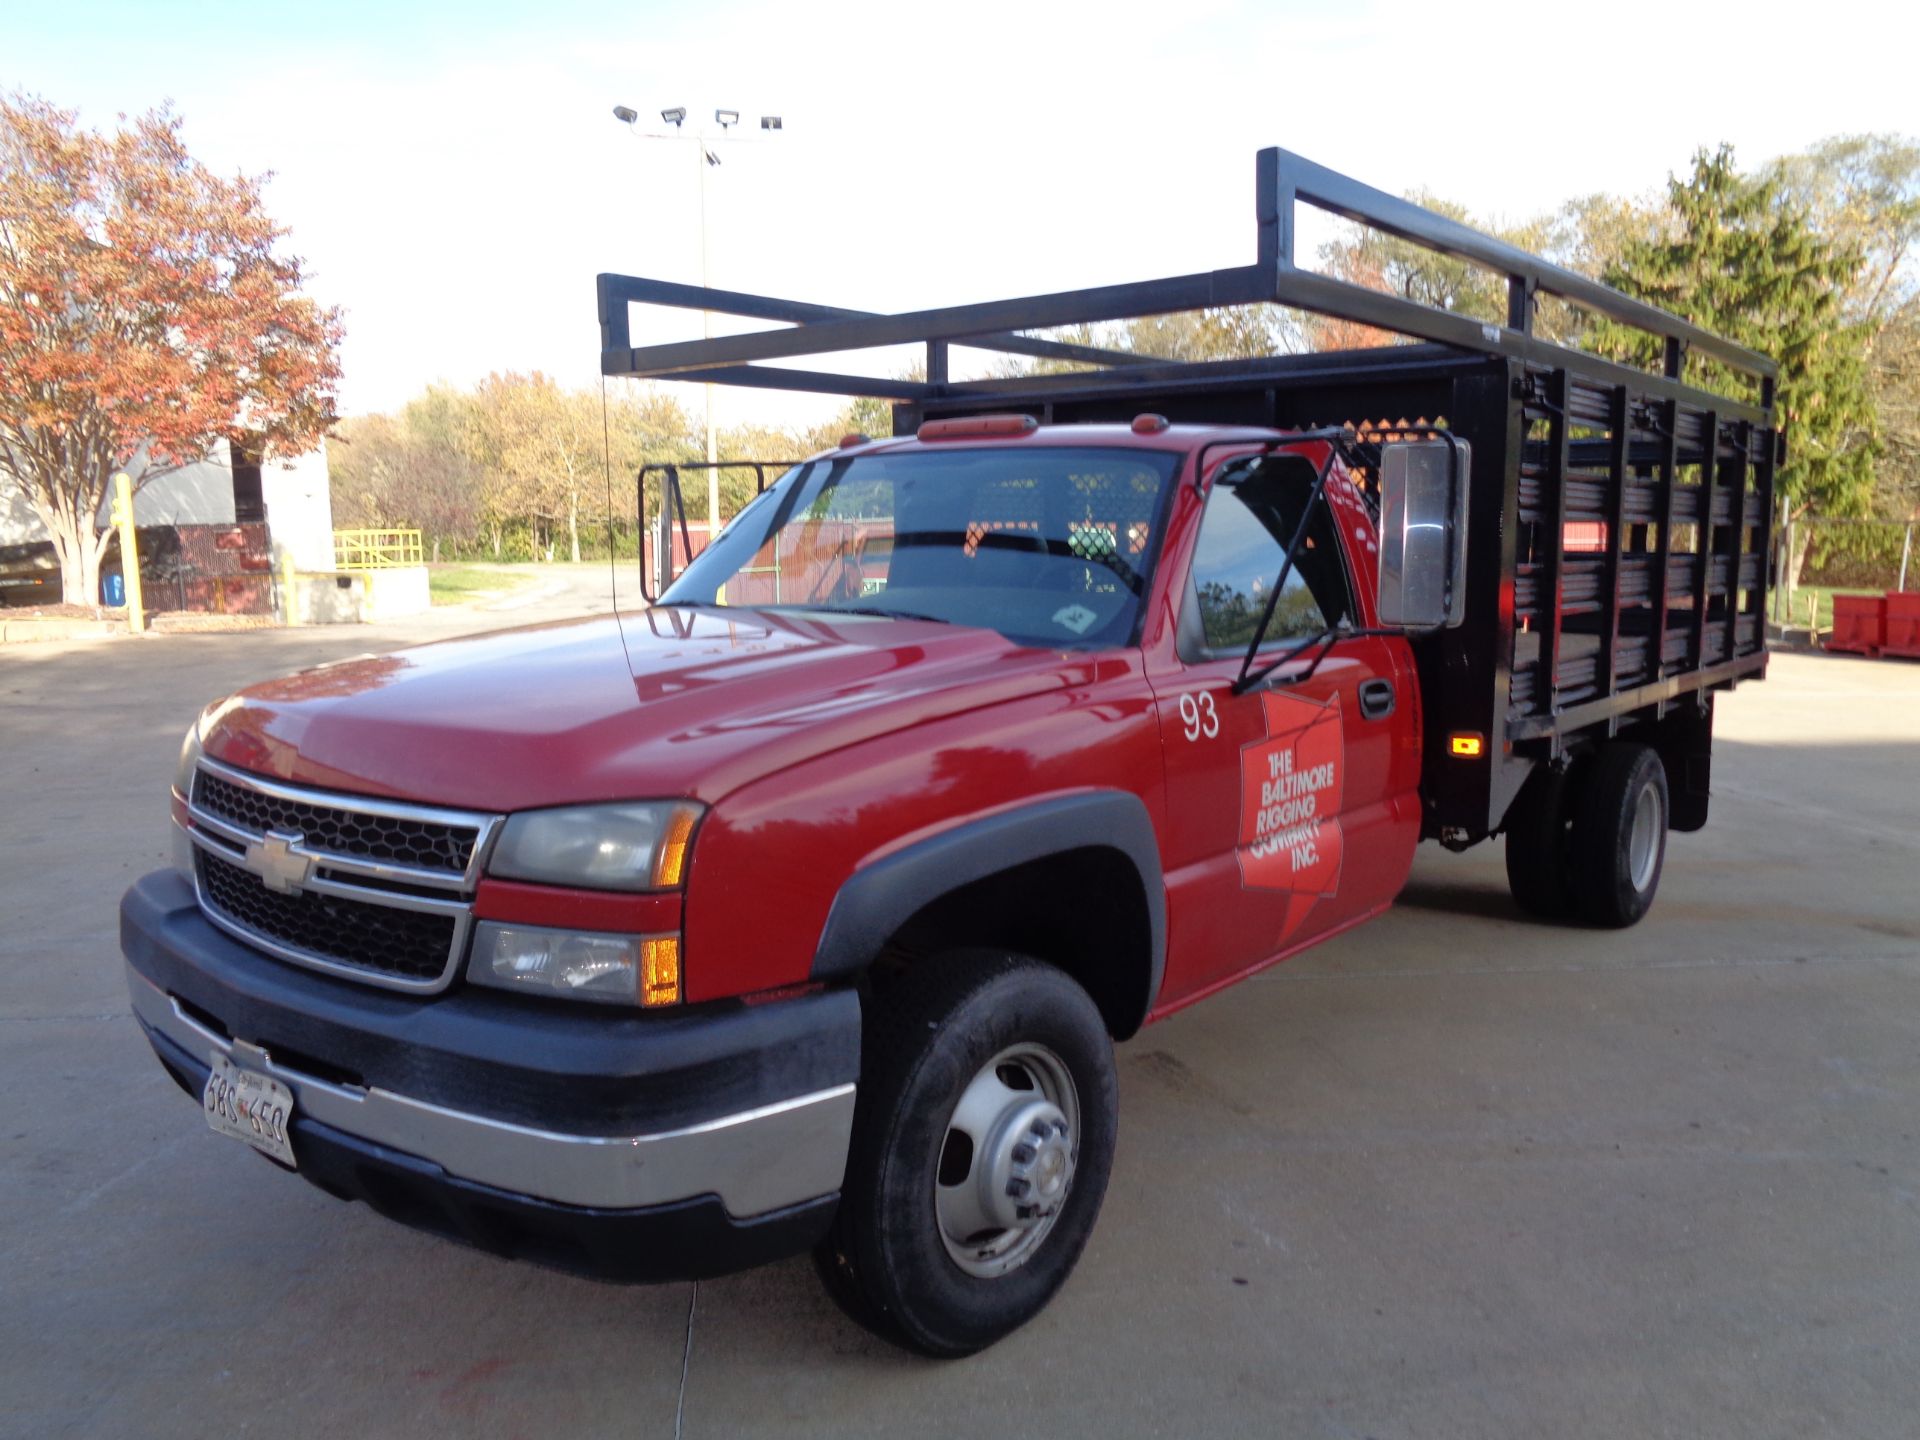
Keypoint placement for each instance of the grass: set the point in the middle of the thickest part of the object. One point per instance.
(459, 584)
(1825, 594)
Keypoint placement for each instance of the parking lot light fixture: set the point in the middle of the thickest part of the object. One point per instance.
(706, 158)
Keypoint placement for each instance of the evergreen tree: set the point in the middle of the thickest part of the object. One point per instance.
(1741, 261)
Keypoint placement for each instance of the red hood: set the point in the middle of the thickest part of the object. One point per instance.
(687, 702)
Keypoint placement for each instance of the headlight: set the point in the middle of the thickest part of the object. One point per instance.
(599, 847)
(615, 969)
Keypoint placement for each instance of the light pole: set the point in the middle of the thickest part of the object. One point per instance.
(705, 158)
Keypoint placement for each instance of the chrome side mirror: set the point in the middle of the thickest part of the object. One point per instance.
(1423, 533)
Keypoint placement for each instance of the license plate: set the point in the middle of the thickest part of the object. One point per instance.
(251, 1107)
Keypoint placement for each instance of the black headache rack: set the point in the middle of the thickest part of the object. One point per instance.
(1620, 522)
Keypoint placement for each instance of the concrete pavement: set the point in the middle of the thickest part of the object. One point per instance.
(1454, 1174)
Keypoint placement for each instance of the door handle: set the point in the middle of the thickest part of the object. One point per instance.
(1376, 699)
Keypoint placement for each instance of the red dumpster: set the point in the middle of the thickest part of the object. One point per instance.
(1859, 624)
(1903, 624)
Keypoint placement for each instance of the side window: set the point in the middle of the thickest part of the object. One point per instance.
(840, 548)
(1252, 515)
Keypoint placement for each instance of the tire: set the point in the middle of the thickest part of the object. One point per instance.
(986, 1044)
(1539, 859)
(1620, 835)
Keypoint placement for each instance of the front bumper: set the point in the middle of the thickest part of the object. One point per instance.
(652, 1146)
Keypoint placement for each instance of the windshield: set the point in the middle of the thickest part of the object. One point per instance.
(1049, 546)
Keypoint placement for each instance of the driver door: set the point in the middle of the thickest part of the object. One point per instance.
(1278, 797)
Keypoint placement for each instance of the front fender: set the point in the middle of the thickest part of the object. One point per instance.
(884, 894)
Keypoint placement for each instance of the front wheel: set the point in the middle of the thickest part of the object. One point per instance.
(982, 1142)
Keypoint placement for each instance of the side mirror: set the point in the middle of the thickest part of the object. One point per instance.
(673, 505)
(1423, 533)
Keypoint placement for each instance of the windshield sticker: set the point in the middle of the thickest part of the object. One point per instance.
(1077, 618)
(1290, 786)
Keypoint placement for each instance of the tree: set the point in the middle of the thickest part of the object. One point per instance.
(1587, 235)
(1864, 192)
(864, 415)
(515, 456)
(1742, 261)
(1367, 269)
(646, 426)
(1376, 260)
(1229, 333)
(543, 445)
(388, 472)
(751, 441)
(146, 315)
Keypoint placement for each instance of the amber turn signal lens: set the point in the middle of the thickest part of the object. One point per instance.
(660, 971)
(670, 858)
(1466, 746)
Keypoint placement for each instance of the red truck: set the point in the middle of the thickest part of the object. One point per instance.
(802, 910)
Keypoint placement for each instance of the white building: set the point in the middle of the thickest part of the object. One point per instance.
(293, 497)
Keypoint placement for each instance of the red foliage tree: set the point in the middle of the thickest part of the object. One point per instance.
(145, 316)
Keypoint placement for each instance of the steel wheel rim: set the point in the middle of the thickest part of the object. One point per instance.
(1022, 1100)
(1643, 846)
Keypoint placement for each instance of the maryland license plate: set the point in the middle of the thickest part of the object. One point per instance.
(251, 1107)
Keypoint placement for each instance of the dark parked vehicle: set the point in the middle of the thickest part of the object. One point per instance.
(29, 574)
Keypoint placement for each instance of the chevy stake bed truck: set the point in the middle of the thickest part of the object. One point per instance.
(802, 909)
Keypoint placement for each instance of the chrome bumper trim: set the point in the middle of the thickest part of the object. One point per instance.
(755, 1160)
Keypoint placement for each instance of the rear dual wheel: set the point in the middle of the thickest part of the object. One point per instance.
(1588, 842)
(1619, 835)
(982, 1143)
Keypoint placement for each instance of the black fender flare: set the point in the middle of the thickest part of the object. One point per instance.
(879, 898)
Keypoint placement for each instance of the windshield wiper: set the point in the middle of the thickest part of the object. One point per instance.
(877, 610)
(871, 610)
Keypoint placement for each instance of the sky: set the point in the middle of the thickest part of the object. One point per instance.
(454, 176)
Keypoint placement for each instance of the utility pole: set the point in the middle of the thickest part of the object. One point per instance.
(705, 158)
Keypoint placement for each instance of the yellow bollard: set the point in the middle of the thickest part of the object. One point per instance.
(289, 593)
(122, 516)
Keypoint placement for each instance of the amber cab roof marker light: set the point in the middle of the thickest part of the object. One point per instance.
(1149, 424)
(978, 427)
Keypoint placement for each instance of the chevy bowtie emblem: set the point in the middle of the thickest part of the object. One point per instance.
(280, 867)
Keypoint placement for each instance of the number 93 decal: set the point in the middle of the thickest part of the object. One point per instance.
(1199, 716)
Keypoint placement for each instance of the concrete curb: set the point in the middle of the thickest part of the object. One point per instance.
(14, 632)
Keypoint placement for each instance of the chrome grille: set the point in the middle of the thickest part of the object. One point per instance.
(375, 938)
(371, 889)
(423, 844)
